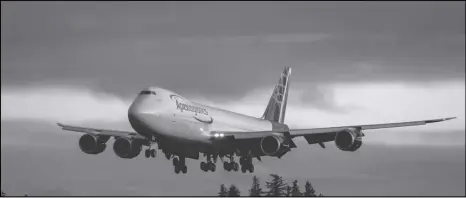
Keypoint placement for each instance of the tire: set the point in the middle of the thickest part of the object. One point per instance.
(175, 161)
(147, 153)
(235, 167)
(204, 166)
(251, 168)
(243, 169)
(226, 166)
(213, 167)
(184, 169)
(152, 153)
(177, 169)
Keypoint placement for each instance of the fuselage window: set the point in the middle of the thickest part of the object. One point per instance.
(147, 93)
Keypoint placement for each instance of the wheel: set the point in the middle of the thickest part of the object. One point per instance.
(177, 169)
(204, 166)
(175, 161)
(226, 166)
(213, 167)
(235, 166)
(147, 153)
(243, 169)
(184, 169)
(152, 153)
(251, 168)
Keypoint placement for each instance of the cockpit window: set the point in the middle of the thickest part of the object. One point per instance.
(147, 93)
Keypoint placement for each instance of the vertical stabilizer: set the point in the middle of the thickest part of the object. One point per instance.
(276, 108)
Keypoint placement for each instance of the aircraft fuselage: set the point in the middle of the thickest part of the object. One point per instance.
(160, 112)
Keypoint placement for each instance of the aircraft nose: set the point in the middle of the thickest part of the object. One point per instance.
(140, 115)
(135, 113)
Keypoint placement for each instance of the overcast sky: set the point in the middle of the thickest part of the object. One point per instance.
(352, 63)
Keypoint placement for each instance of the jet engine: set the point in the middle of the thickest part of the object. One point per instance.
(127, 148)
(348, 140)
(93, 144)
(274, 145)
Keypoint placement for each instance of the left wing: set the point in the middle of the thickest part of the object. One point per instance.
(105, 132)
(322, 133)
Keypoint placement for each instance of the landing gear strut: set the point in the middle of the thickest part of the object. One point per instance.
(230, 166)
(168, 155)
(246, 164)
(208, 166)
(180, 165)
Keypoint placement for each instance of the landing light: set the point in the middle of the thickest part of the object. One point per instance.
(221, 134)
(216, 135)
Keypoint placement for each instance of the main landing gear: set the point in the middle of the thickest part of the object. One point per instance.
(150, 153)
(180, 165)
(246, 164)
(230, 166)
(208, 166)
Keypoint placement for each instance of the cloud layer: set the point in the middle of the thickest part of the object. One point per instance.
(350, 104)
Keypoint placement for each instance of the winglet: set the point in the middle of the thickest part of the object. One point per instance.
(60, 124)
(440, 120)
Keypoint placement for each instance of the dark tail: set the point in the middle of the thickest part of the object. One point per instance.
(276, 108)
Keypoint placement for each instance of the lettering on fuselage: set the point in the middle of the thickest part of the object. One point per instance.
(186, 107)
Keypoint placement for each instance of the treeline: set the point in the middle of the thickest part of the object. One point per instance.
(275, 187)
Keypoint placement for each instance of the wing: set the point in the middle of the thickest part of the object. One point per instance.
(106, 132)
(317, 135)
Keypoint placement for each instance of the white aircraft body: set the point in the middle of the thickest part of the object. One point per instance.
(184, 129)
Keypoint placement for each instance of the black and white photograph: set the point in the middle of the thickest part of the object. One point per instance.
(233, 98)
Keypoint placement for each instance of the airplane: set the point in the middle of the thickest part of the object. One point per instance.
(185, 129)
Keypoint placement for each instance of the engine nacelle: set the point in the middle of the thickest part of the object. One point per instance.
(93, 144)
(127, 148)
(274, 145)
(348, 140)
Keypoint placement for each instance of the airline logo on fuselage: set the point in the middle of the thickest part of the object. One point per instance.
(186, 107)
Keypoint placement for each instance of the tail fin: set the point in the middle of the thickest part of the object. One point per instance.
(276, 108)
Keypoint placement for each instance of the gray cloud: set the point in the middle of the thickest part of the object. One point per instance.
(122, 47)
(323, 98)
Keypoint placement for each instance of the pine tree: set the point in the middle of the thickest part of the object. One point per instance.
(288, 190)
(223, 191)
(295, 189)
(321, 195)
(309, 190)
(255, 190)
(233, 191)
(276, 187)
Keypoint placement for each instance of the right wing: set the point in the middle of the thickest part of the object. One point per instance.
(105, 132)
(317, 135)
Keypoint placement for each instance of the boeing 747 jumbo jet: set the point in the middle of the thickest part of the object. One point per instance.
(185, 129)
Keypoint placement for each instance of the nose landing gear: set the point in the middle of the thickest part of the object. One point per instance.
(246, 164)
